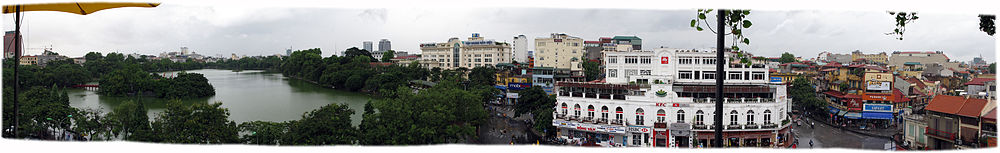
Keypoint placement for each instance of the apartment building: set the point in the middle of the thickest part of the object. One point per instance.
(474, 51)
(559, 51)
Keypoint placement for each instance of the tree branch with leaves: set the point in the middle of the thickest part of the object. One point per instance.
(736, 21)
(902, 18)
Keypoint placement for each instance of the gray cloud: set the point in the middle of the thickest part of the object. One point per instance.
(264, 31)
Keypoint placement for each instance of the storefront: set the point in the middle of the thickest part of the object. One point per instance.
(639, 136)
(739, 139)
(591, 134)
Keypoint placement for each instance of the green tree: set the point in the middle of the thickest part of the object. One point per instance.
(993, 68)
(902, 18)
(483, 75)
(388, 55)
(194, 123)
(787, 58)
(534, 100)
(129, 118)
(330, 124)
(592, 70)
(736, 21)
(264, 132)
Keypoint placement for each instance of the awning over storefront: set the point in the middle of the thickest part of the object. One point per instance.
(841, 113)
(877, 115)
(833, 110)
(853, 115)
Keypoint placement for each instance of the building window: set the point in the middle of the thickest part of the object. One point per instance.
(630, 72)
(684, 74)
(699, 118)
(631, 60)
(708, 61)
(645, 72)
(636, 140)
(564, 109)
(590, 112)
(576, 110)
(684, 60)
(750, 117)
(680, 116)
(646, 59)
(733, 117)
(612, 59)
(613, 73)
(735, 76)
(604, 112)
(708, 75)
(639, 116)
(661, 116)
(618, 114)
(767, 116)
(758, 75)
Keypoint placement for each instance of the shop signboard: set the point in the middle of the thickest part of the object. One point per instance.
(879, 85)
(878, 108)
(665, 60)
(680, 129)
(638, 129)
(775, 79)
(518, 86)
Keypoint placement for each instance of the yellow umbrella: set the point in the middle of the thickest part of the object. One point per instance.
(82, 8)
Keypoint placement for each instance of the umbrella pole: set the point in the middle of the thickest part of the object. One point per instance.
(17, 62)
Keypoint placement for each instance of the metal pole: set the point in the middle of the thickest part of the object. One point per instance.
(720, 74)
(17, 62)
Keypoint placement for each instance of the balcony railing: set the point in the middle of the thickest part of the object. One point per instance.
(699, 126)
(735, 100)
(616, 121)
(587, 119)
(601, 120)
(750, 126)
(660, 125)
(939, 133)
(573, 117)
(769, 125)
(561, 116)
(734, 126)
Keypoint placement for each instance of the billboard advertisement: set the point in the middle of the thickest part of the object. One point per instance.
(518, 86)
(775, 79)
(879, 85)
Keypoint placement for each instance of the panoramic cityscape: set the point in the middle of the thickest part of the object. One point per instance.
(688, 78)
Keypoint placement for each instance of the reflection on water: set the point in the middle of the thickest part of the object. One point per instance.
(249, 96)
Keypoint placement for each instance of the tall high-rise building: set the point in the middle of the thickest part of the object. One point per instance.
(367, 45)
(471, 53)
(184, 50)
(8, 42)
(383, 45)
(520, 49)
(558, 51)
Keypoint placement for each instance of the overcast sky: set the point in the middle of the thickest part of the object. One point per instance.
(214, 30)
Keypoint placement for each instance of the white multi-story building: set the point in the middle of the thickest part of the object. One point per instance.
(665, 98)
(476, 51)
(520, 49)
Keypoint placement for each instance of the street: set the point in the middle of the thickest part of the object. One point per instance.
(824, 136)
(501, 129)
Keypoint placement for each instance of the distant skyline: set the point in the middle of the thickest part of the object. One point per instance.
(215, 31)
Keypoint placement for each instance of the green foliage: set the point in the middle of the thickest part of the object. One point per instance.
(902, 18)
(534, 100)
(483, 75)
(986, 24)
(442, 114)
(330, 124)
(270, 63)
(592, 70)
(194, 123)
(129, 118)
(264, 132)
(803, 93)
(41, 109)
(186, 85)
(388, 55)
(351, 72)
(736, 21)
(787, 58)
(993, 68)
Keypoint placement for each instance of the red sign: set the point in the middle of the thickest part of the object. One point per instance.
(677, 105)
(619, 112)
(585, 128)
(664, 60)
(661, 104)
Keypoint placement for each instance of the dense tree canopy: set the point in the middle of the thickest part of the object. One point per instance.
(592, 70)
(194, 123)
(787, 58)
(442, 114)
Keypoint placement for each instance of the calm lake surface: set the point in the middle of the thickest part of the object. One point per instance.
(249, 96)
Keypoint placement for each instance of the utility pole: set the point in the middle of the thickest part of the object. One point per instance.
(720, 74)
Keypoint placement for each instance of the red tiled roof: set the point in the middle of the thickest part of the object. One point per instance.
(828, 69)
(946, 104)
(980, 81)
(834, 94)
(992, 115)
(972, 107)
(898, 96)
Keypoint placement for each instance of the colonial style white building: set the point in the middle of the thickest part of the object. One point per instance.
(664, 98)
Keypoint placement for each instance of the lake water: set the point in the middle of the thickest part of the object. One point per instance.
(249, 96)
